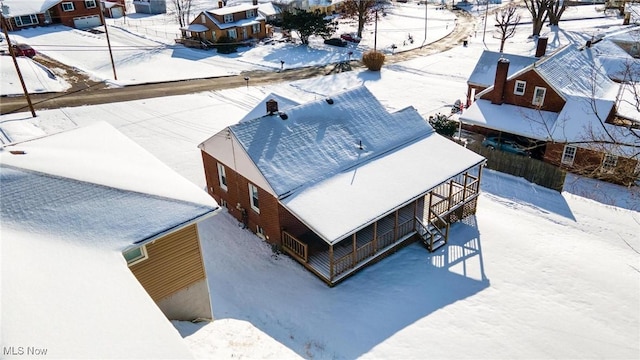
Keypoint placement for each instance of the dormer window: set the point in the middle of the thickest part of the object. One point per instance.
(520, 87)
(251, 13)
(609, 162)
(228, 18)
(538, 96)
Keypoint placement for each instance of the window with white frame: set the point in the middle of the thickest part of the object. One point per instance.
(519, 87)
(260, 232)
(253, 197)
(222, 177)
(203, 19)
(228, 18)
(232, 34)
(250, 13)
(256, 28)
(26, 20)
(609, 162)
(538, 96)
(89, 4)
(136, 255)
(569, 154)
(68, 6)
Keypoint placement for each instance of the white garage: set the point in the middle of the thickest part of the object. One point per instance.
(84, 22)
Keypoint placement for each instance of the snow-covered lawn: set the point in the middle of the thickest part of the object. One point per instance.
(535, 274)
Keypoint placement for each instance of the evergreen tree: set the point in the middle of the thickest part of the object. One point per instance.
(306, 24)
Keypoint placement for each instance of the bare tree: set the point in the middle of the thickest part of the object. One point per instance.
(555, 10)
(361, 10)
(538, 10)
(183, 11)
(507, 19)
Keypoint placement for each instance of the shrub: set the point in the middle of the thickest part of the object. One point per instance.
(226, 45)
(443, 125)
(373, 60)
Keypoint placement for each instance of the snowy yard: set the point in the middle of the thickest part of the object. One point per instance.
(535, 274)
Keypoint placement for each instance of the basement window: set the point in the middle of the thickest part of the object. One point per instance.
(520, 87)
(136, 255)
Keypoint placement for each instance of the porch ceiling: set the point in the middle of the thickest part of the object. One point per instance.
(338, 206)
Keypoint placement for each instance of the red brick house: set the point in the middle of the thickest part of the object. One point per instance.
(566, 104)
(242, 23)
(340, 182)
(78, 14)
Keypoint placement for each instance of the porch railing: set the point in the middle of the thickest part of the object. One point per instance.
(295, 247)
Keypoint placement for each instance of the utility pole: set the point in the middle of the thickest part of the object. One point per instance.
(4, 24)
(425, 21)
(106, 32)
(486, 14)
(375, 32)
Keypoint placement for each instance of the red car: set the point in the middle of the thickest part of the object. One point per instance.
(24, 50)
(350, 37)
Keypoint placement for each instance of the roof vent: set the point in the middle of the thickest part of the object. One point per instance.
(329, 101)
(283, 116)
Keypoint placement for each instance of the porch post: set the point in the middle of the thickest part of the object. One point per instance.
(331, 262)
(375, 237)
(464, 189)
(395, 228)
(450, 194)
(354, 256)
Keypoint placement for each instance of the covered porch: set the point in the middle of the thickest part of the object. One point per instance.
(426, 218)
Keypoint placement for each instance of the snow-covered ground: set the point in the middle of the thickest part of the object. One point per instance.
(535, 274)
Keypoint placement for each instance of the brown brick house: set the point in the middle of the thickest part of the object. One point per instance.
(242, 23)
(78, 14)
(565, 104)
(340, 182)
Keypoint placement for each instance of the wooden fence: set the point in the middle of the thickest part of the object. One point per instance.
(536, 171)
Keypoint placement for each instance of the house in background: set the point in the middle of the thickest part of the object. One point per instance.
(242, 23)
(323, 6)
(565, 103)
(100, 239)
(114, 9)
(77, 14)
(150, 6)
(340, 182)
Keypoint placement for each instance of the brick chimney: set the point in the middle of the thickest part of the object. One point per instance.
(500, 81)
(220, 4)
(541, 49)
(272, 106)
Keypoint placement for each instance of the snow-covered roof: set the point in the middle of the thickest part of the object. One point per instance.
(343, 154)
(318, 139)
(110, 4)
(573, 70)
(241, 22)
(484, 72)
(195, 28)
(71, 203)
(269, 9)
(233, 9)
(346, 202)
(11, 8)
(532, 123)
(260, 109)
(616, 62)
